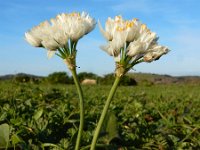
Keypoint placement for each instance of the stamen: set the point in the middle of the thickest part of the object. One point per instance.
(143, 26)
(120, 28)
(129, 24)
(118, 19)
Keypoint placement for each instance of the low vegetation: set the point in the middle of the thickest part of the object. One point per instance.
(45, 115)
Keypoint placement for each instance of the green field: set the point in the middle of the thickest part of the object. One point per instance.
(46, 116)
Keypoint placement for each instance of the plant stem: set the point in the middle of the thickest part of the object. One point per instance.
(104, 112)
(80, 93)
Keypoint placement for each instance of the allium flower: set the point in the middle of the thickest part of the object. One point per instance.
(130, 42)
(110, 28)
(55, 34)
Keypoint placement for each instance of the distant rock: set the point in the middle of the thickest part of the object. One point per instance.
(89, 82)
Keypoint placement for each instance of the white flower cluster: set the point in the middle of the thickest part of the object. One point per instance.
(133, 38)
(56, 33)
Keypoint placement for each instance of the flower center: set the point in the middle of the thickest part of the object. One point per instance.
(75, 14)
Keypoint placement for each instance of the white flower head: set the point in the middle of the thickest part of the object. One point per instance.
(56, 33)
(130, 41)
(76, 25)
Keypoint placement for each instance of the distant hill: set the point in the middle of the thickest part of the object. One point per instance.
(140, 78)
(11, 76)
(164, 79)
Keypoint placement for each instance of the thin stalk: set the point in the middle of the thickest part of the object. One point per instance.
(104, 112)
(80, 93)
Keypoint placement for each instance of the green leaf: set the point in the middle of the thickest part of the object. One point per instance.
(17, 121)
(15, 139)
(3, 116)
(38, 114)
(73, 137)
(110, 127)
(51, 145)
(4, 135)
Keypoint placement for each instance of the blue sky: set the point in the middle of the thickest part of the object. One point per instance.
(176, 22)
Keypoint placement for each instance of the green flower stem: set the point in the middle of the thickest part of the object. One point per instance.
(104, 112)
(80, 93)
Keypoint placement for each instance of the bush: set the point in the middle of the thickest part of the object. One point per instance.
(109, 79)
(128, 81)
(59, 77)
(24, 78)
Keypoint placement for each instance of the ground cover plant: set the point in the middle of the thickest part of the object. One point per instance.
(46, 116)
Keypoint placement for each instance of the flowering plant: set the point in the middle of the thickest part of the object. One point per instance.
(129, 41)
(61, 35)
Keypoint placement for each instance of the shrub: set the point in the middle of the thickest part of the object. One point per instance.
(24, 78)
(59, 77)
(108, 79)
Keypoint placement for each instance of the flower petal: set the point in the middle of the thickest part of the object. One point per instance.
(50, 54)
(32, 40)
(104, 33)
